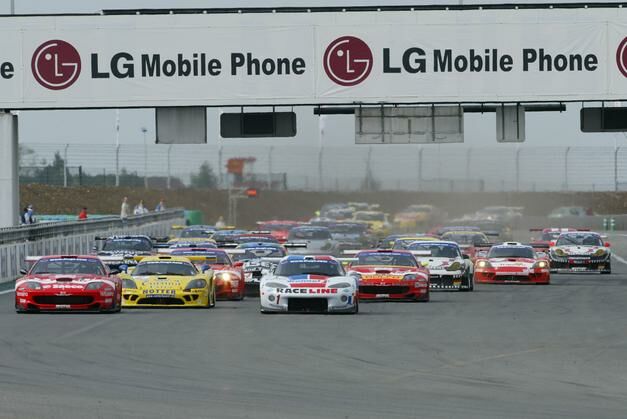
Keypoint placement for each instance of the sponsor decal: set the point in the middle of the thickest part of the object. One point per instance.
(56, 64)
(621, 57)
(306, 290)
(348, 61)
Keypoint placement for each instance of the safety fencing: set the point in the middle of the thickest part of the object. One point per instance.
(292, 166)
(74, 237)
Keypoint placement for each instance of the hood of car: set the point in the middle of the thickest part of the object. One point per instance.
(512, 262)
(579, 250)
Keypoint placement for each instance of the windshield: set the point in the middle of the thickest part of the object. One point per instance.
(68, 266)
(197, 234)
(221, 258)
(348, 229)
(466, 238)
(550, 235)
(579, 240)
(385, 259)
(437, 250)
(275, 227)
(260, 239)
(135, 245)
(310, 234)
(314, 267)
(165, 268)
(367, 216)
(511, 252)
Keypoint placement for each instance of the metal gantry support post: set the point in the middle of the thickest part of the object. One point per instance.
(9, 179)
(566, 168)
(616, 150)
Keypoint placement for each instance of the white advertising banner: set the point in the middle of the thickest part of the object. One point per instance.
(312, 58)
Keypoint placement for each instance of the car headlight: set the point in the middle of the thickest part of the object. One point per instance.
(541, 264)
(410, 277)
(455, 266)
(195, 284)
(94, 285)
(559, 252)
(129, 284)
(484, 264)
(600, 252)
(31, 285)
(340, 285)
(225, 276)
(275, 285)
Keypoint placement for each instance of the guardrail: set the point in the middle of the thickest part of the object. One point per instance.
(75, 237)
(55, 229)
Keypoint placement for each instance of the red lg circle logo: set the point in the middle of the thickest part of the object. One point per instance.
(56, 64)
(621, 57)
(348, 61)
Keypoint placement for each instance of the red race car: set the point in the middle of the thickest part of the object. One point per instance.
(389, 275)
(512, 262)
(279, 229)
(68, 283)
(229, 275)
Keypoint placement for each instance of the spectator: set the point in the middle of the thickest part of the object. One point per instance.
(25, 218)
(125, 210)
(220, 223)
(160, 206)
(140, 208)
(83, 214)
(31, 214)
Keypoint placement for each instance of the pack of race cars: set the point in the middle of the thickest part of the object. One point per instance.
(328, 264)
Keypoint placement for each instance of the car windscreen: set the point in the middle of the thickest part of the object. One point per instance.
(314, 267)
(385, 259)
(165, 268)
(463, 238)
(309, 234)
(442, 250)
(275, 227)
(216, 258)
(68, 266)
(348, 229)
(511, 252)
(196, 234)
(260, 252)
(365, 216)
(135, 245)
(579, 240)
(550, 235)
(253, 239)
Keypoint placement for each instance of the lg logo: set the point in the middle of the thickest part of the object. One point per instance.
(56, 64)
(621, 57)
(348, 61)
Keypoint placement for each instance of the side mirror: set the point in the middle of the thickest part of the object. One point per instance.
(465, 256)
(238, 264)
(122, 268)
(552, 243)
(424, 263)
(607, 244)
(23, 271)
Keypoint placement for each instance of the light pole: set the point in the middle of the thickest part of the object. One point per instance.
(144, 131)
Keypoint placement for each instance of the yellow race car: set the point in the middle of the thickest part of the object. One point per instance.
(377, 221)
(167, 281)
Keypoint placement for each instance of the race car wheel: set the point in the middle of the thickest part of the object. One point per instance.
(607, 270)
(470, 284)
(356, 310)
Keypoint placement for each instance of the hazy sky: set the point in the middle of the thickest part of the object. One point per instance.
(90, 126)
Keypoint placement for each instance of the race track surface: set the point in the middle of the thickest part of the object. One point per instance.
(500, 352)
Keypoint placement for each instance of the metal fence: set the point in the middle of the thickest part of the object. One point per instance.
(447, 167)
(74, 237)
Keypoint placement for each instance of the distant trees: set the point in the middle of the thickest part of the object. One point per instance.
(204, 178)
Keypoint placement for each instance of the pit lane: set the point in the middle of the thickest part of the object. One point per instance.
(502, 351)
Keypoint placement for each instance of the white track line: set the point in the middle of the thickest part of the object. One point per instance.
(620, 259)
(7, 291)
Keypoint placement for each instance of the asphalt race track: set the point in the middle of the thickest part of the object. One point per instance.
(500, 352)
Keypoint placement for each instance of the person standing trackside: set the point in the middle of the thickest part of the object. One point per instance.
(140, 209)
(160, 206)
(83, 214)
(220, 223)
(125, 210)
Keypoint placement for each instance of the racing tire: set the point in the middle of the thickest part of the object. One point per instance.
(356, 309)
(606, 271)
(469, 283)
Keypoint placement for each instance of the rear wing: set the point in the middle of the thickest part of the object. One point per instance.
(295, 245)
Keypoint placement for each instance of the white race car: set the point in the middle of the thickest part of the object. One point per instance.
(449, 269)
(303, 283)
(580, 252)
